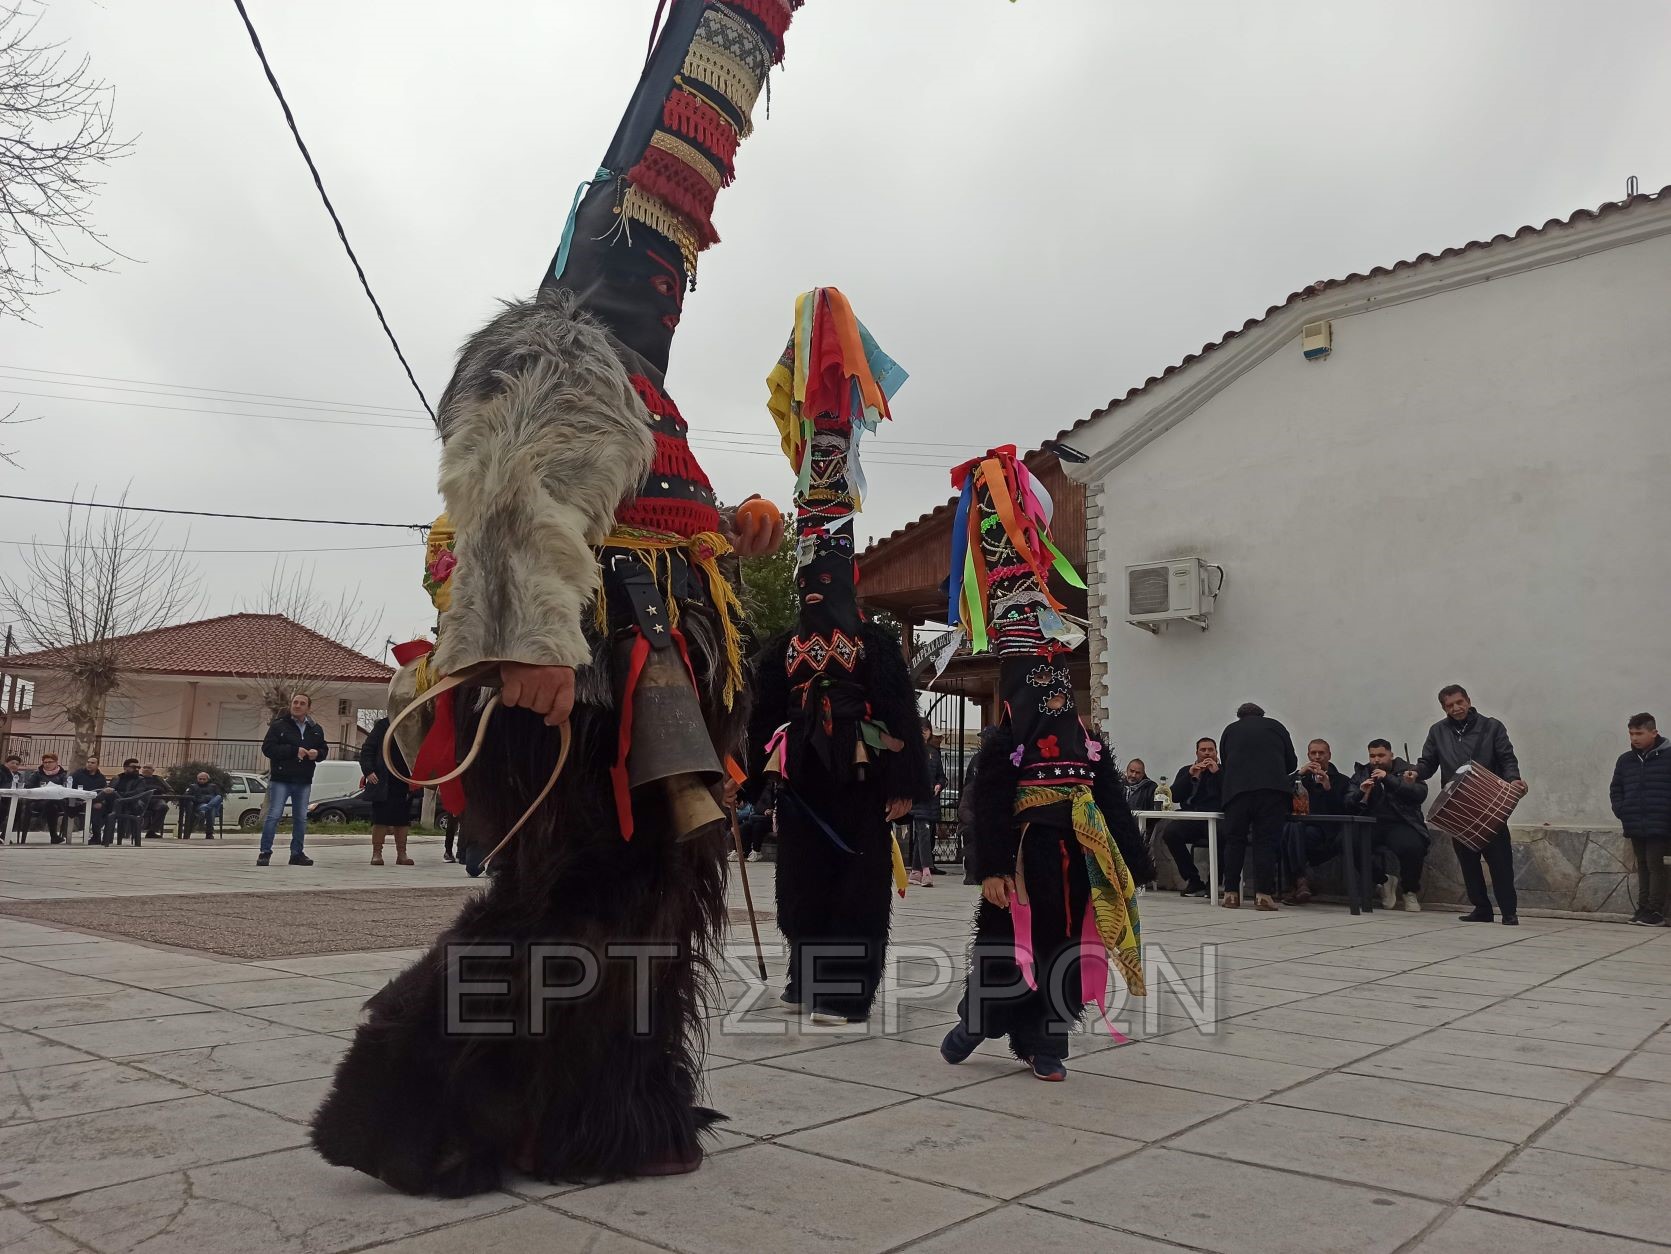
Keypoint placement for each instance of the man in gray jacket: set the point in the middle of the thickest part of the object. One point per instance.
(1465, 735)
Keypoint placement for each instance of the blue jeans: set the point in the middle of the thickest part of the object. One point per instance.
(278, 792)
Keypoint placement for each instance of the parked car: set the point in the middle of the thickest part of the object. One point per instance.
(244, 800)
(356, 808)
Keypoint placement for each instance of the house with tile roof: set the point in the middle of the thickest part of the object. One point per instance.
(194, 690)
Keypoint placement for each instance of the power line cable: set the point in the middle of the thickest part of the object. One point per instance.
(203, 513)
(192, 387)
(325, 408)
(318, 182)
(104, 548)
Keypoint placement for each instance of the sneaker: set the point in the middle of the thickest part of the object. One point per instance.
(1412, 903)
(1195, 889)
(1648, 918)
(1476, 916)
(1047, 1068)
(1511, 920)
(824, 1019)
(960, 1042)
(1389, 893)
(447, 857)
(263, 859)
(300, 859)
(756, 856)
(928, 878)
(916, 878)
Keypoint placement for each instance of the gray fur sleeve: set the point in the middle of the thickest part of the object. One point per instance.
(544, 437)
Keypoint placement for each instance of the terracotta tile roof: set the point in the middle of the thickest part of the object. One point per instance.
(1305, 293)
(232, 645)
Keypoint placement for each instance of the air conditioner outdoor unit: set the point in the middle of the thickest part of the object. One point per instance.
(1163, 592)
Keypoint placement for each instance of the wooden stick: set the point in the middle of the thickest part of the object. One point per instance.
(748, 897)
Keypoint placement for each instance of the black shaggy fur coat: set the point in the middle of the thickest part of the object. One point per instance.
(827, 895)
(1052, 867)
(586, 1088)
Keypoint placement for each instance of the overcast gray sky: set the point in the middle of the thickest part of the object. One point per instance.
(1034, 206)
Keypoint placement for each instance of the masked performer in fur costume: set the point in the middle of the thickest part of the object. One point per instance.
(588, 584)
(835, 715)
(1056, 848)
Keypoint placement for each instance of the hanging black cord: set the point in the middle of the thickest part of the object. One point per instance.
(290, 120)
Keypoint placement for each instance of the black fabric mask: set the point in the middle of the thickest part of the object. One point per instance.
(828, 576)
(631, 281)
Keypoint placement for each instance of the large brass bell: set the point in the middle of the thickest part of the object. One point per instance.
(671, 748)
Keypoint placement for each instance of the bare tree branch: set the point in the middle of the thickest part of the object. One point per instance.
(56, 132)
(106, 579)
(285, 669)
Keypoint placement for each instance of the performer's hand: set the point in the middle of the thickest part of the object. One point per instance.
(998, 889)
(898, 808)
(732, 788)
(1519, 786)
(758, 540)
(546, 690)
(372, 778)
(1411, 776)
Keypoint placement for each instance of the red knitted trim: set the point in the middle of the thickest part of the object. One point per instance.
(675, 184)
(675, 460)
(694, 119)
(655, 400)
(770, 14)
(680, 518)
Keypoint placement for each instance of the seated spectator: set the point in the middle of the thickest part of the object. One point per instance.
(1140, 789)
(1306, 845)
(133, 798)
(1195, 787)
(1385, 789)
(1641, 795)
(156, 810)
(12, 775)
(53, 814)
(202, 803)
(91, 779)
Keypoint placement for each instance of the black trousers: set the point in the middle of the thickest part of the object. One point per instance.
(1410, 848)
(1499, 856)
(1257, 817)
(1182, 837)
(1305, 845)
(1650, 873)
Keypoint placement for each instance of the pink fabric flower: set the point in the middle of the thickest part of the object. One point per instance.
(1093, 749)
(442, 566)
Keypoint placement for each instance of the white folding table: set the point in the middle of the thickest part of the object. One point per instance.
(1211, 818)
(48, 792)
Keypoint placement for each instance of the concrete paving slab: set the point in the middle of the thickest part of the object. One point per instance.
(1581, 1192)
(1210, 1204)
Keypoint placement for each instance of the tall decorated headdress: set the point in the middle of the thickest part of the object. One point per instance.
(829, 389)
(1001, 560)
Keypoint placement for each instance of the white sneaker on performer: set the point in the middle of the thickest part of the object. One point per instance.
(1412, 903)
(1389, 893)
(824, 1019)
(755, 856)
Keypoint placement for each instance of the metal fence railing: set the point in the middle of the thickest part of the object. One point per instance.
(160, 752)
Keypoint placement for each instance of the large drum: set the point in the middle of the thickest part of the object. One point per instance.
(1474, 806)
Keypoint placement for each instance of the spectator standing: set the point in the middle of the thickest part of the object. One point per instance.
(293, 744)
(1641, 796)
(91, 779)
(1140, 789)
(127, 808)
(1199, 787)
(1384, 790)
(1306, 845)
(966, 808)
(1465, 735)
(925, 814)
(52, 813)
(202, 802)
(390, 796)
(1259, 763)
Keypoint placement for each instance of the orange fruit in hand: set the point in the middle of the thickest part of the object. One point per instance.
(756, 517)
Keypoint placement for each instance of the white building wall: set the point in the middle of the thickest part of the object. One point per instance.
(1472, 489)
